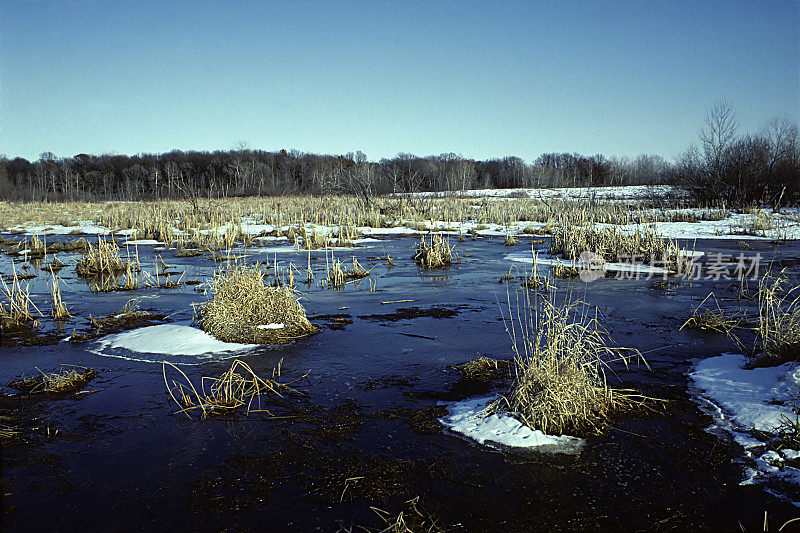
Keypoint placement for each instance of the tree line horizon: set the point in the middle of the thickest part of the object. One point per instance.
(764, 167)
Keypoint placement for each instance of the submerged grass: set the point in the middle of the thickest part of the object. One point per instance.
(244, 308)
(712, 318)
(561, 357)
(484, 369)
(238, 389)
(67, 380)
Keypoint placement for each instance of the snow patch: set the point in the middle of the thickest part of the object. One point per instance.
(178, 344)
(469, 418)
(742, 400)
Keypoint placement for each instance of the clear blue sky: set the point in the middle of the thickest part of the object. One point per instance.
(481, 79)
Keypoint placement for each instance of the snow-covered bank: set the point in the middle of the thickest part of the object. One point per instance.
(172, 342)
(743, 400)
(624, 192)
(469, 419)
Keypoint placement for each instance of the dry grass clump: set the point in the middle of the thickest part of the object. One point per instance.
(68, 380)
(315, 240)
(484, 369)
(17, 309)
(778, 330)
(75, 245)
(560, 270)
(712, 318)
(237, 388)
(436, 254)
(561, 355)
(32, 248)
(615, 245)
(759, 223)
(510, 240)
(59, 310)
(130, 316)
(337, 275)
(103, 260)
(244, 308)
(410, 521)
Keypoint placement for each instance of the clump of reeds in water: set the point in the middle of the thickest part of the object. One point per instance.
(414, 519)
(67, 380)
(712, 318)
(32, 248)
(561, 356)
(315, 240)
(614, 245)
(103, 260)
(238, 388)
(17, 309)
(560, 270)
(484, 369)
(245, 308)
(778, 330)
(435, 254)
(338, 275)
(59, 310)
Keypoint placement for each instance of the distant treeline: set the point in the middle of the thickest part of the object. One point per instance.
(726, 167)
(249, 172)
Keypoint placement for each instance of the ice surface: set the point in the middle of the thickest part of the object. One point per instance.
(741, 400)
(469, 419)
(171, 342)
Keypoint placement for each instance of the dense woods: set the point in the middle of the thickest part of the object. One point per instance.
(245, 172)
(738, 169)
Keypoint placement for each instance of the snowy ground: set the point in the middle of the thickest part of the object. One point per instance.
(785, 225)
(627, 192)
(741, 401)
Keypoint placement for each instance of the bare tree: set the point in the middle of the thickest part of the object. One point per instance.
(719, 131)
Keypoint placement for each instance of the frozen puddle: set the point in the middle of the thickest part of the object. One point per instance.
(635, 268)
(742, 400)
(170, 342)
(468, 419)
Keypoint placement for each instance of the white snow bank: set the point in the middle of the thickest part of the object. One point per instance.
(177, 343)
(742, 400)
(469, 419)
(83, 227)
(624, 192)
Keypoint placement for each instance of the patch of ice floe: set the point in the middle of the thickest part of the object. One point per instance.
(469, 418)
(172, 342)
(742, 400)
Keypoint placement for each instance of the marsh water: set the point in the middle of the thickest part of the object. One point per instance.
(362, 430)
